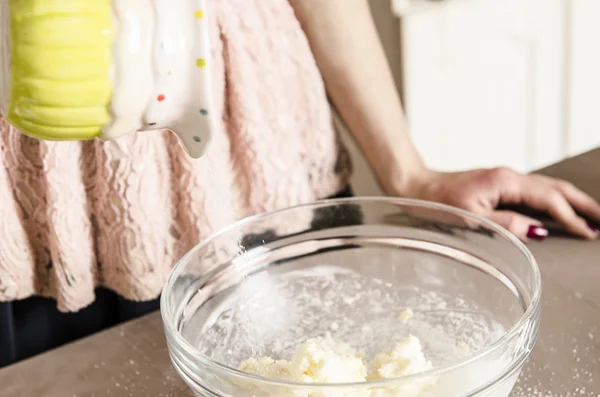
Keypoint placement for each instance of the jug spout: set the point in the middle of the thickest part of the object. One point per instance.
(194, 133)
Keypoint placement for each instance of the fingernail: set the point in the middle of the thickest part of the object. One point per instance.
(537, 232)
(593, 228)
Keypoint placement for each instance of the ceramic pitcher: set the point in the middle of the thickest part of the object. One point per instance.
(85, 69)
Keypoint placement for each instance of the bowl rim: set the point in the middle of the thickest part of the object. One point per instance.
(532, 311)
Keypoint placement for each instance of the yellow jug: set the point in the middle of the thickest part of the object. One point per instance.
(85, 69)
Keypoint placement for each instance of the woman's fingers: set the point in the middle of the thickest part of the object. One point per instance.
(481, 191)
(581, 201)
(520, 225)
(550, 199)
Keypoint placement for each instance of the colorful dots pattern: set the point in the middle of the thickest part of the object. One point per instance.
(201, 64)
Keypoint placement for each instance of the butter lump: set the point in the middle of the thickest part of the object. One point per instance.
(406, 358)
(325, 360)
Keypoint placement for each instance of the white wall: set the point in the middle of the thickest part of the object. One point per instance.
(582, 129)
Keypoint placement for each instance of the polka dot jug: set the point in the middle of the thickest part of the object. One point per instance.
(85, 69)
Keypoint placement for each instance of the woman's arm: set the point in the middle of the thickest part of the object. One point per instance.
(346, 46)
(360, 84)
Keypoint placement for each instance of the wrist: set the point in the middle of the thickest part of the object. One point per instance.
(406, 182)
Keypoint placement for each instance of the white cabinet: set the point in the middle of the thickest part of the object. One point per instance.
(583, 75)
(509, 82)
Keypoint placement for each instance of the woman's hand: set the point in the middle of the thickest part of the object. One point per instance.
(481, 191)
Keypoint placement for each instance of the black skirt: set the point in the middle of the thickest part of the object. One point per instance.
(34, 325)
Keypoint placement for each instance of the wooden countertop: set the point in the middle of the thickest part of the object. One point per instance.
(132, 360)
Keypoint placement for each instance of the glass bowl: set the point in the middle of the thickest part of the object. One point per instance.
(365, 271)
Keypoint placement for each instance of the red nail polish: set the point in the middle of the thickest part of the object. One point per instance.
(593, 228)
(537, 232)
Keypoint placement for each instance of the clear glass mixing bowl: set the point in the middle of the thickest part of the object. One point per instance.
(353, 268)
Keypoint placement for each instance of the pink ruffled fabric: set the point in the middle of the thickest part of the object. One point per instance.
(77, 215)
